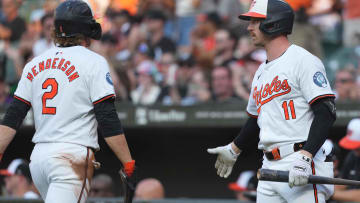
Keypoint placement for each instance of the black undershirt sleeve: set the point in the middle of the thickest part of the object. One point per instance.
(248, 136)
(324, 117)
(15, 114)
(107, 118)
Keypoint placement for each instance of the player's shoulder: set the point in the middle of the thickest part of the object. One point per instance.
(302, 54)
(91, 56)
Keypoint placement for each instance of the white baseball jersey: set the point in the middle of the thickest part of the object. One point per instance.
(62, 85)
(281, 93)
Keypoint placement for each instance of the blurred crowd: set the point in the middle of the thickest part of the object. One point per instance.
(184, 52)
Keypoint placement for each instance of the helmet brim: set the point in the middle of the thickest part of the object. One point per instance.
(249, 15)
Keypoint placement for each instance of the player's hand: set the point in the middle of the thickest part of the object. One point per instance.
(300, 170)
(225, 160)
(129, 177)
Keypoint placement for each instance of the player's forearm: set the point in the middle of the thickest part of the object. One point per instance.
(119, 146)
(248, 136)
(324, 118)
(347, 195)
(6, 136)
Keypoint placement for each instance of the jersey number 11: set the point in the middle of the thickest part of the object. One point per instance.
(286, 106)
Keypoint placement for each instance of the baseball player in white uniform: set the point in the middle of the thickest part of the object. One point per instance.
(291, 108)
(71, 93)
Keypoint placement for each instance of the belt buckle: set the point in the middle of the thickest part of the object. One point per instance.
(276, 153)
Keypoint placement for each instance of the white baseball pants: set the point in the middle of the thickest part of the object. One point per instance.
(276, 192)
(58, 171)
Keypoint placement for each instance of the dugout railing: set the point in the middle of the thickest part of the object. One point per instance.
(120, 200)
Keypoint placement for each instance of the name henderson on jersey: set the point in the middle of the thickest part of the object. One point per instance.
(51, 64)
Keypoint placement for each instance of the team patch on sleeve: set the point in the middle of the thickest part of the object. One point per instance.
(320, 80)
(108, 79)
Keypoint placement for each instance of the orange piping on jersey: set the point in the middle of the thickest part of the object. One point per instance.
(314, 185)
(23, 100)
(259, 110)
(104, 98)
(253, 116)
(321, 96)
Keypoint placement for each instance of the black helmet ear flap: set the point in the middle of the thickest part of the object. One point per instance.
(95, 31)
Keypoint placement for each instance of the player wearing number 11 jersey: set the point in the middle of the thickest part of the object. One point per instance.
(291, 108)
(71, 93)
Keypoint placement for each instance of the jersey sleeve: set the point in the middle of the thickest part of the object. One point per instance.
(313, 81)
(100, 84)
(23, 90)
(251, 106)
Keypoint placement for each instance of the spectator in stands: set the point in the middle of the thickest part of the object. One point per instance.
(198, 90)
(102, 186)
(120, 27)
(168, 68)
(159, 43)
(45, 42)
(12, 26)
(243, 46)
(186, 11)
(345, 84)
(351, 35)
(18, 182)
(351, 166)
(222, 85)
(149, 189)
(5, 98)
(303, 30)
(183, 74)
(203, 34)
(245, 186)
(224, 50)
(148, 90)
(244, 71)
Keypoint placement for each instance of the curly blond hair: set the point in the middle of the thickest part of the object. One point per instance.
(70, 41)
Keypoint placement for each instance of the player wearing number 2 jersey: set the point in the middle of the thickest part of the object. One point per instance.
(71, 93)
(291, 108)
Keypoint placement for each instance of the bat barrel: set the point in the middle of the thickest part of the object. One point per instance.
(283, 176)
(273, 175)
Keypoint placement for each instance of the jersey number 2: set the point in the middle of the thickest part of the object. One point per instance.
(285, 106)
(49, 95)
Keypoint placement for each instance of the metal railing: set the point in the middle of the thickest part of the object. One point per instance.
(120, 200)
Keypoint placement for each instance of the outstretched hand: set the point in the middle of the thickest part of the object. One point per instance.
(225, 160)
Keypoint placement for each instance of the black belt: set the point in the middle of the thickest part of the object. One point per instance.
(275, 153)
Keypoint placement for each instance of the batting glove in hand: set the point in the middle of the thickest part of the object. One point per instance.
(300, 170)
(129, 177)
(225, 160)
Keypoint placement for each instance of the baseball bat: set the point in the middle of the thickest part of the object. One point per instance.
(283, 176)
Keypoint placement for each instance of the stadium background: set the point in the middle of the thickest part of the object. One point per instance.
(169, 142)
